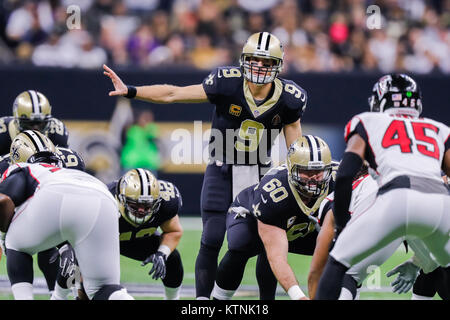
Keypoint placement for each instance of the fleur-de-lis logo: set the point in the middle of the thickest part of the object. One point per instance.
(15, 153)
(255, 210)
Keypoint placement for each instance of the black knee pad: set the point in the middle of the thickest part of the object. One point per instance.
(174, 270)
(105, 291)
(19, 266)
(214, 228)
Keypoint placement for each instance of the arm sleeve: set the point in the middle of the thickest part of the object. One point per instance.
(15, 187)
(350, 165)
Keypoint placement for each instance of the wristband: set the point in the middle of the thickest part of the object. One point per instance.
(164, 249)
(132, 91)
(295, 293)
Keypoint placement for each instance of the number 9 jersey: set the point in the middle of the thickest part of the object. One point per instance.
(242, 126)
(401, 145)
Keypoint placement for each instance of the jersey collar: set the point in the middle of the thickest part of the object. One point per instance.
(259, 110)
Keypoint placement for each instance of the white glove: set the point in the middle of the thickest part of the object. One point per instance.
(408, 273)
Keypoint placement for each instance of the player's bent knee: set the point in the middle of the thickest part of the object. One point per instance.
(112, 292)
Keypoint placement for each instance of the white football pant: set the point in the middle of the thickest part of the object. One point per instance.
(86, 217)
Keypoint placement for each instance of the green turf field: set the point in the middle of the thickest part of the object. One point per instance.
(376, 287)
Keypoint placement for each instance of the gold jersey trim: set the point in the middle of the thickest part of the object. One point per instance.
(305, 209)
(259, 110)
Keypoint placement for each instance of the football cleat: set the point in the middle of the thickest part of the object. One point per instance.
(309, 166)
(262, 45)
(138, 196)
(32, 111)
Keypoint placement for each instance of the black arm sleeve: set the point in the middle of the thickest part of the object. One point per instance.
(350, 165)
(15, 187)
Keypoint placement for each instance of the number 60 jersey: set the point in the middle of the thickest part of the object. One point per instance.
(401, 145)
(242, 126)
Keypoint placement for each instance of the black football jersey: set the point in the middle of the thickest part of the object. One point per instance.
(171, 203)
(276, 202)
(57, 133)
(243, 130)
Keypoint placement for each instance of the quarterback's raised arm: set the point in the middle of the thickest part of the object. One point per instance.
(160, 93)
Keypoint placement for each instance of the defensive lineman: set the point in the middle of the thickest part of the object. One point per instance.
(408, 153)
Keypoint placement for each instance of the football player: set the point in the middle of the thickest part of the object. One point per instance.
(277, 216)
(70, 206)
(31, 111)
(30, 142)
(71, 159)
(408, 153)
(252, 105)
(145, 204)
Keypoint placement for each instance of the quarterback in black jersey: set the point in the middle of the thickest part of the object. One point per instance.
(277, 216)
(31, 111)
(252, 105)
(145, 204)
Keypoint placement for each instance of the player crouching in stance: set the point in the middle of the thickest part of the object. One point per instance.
(277, 216)
(407, 153)
(43, 205)
(145, 204)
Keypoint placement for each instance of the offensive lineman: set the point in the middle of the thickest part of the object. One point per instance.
(408, 153)
(278, 215)
(32, 111)
(70, 206)
(254, 104)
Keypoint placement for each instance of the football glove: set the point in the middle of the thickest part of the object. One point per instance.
(408, 273)
(159, 265)
(67, 261)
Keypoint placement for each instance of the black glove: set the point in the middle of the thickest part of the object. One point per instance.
(159, 265)
(67, 261)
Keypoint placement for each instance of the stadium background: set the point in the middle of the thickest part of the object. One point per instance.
(329, 51)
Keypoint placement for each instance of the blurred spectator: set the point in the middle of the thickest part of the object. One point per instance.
(317, 35)
(140, 149)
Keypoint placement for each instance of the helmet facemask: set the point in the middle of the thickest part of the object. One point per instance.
(260, 74)
(140, 210)
(38, 123)
(138, 196)
(310, 181)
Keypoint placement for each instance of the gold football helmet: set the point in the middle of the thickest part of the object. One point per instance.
(266, 46)
(309, 166)
(32, 111)
(138, 196)
(32, 146)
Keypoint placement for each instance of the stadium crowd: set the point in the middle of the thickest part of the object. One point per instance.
(319, 35)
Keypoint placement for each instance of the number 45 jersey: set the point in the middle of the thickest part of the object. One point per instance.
(401, 145)
(243, 129)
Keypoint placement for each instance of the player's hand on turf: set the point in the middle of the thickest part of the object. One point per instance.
(67, 261)
(408, 273)
(120, 89)
(159, 265)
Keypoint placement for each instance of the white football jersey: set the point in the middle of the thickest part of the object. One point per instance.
(401, 145)
(364, 193)
(44, 174)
